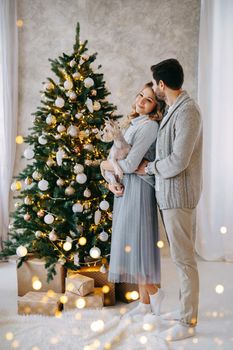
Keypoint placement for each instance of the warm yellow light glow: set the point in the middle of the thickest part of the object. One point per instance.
(195, 340)
(37, 285)
(223, 230)
(147, 326)
(105, 289)
(107, 346)
(128, 249)
(58, 314)
(97, 326)
(67, 246)
(82, 240)
(78, 316)
(63, 299)
(51, 293)
(35, 348)
(19, 23)
(143, 339)
(19, 139)
(80, 303)
(9, 336)
(219, 289)
(160, 244)
(15, 344)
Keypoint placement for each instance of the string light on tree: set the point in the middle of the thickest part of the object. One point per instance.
(19, 139)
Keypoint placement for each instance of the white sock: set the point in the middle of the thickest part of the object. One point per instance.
(177, 332)
(140, 309)
(156, 300)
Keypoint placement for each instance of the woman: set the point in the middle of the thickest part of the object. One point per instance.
(135, 257)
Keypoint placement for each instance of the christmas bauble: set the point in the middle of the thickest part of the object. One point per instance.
(103, 236)
(57, 136)
(104, 205)
(27, 200)
(27, 217)
(21, 251)
(81, 178)
(62, 261)
(36, 175)
(28, 181)
(87, 193)
(78, 115)
(17, 204)
(40, 213)
(72, 96)
(52, 236)
(16, 186)
(88, 82)
(77, 208)
(69, 191)
(28, 153)
(51, 119)
(61, 128)
(93, 93)
(85, 56)
(42, 140)
(103, 269)
(95, 252)
(50, 162)
(43, 185)
(67, 246)
(48, 86)
(49, 219)
(76, 75)
(60, 182)
(38, 234)
(89, 147)
(97, 217)
(68, 84)
(72, 63)
(88, 162)
(89, 105)
(76, 259)
(96, 106)
(59, 102)
(78, 168)
(82, 135)
(73, 131)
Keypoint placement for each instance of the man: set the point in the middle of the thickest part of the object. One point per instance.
(178, 176)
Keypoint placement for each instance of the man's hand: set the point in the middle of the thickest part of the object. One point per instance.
(117, 190)
(141, 169)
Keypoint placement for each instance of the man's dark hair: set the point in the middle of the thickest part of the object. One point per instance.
(170, 72)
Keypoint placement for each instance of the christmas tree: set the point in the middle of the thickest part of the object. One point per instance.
(63, 209)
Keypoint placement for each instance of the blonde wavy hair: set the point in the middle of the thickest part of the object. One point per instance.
(156, 114)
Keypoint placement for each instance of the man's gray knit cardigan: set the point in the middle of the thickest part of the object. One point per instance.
(178, 163)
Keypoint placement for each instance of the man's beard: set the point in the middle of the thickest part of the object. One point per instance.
(160, 94)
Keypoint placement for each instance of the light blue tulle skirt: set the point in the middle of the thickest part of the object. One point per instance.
(135, 257)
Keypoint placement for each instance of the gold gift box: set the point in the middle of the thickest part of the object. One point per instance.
(94, 300)
(79, 284)
(101, 280)
(40, 303)
(34, 269)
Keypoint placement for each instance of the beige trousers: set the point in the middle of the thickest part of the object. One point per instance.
(180, 226)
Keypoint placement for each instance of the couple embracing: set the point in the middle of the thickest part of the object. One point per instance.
(164, 167)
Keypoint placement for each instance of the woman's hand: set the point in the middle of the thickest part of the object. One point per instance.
(141, 168)
(118, 190)
(106, 165)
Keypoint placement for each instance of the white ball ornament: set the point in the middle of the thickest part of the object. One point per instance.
(97, 217)
(49, 219)
(72, 96)
(76, 75)
(96, 106)
(27, 200)
(87, 193)
(95, 252)
(21, 251)
(89, 147)
(67, 246)
(81, 178)
(88, 82)
(72, 63)
(48, 86)
(61, 128)
(52, 236)
(77, 208)
(73, 131)
(60, 182)
(104, 205)
(43, 185)
(59, 102)
(78, 115)
(78, 168)
(38, 234)
(50, 162)
(51, 119)
(68, 84)
(103, 236)
(36, 175)
(42, 140)
(57, 136)
(27, 217)
(89, 105)
(28, 153)
(69, 191)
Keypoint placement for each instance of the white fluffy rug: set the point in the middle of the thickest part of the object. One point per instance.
(79, 330)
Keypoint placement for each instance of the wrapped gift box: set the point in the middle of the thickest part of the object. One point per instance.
(40, 303)
(101, 280)
(79, 284)
(34, 269)
(92, 301)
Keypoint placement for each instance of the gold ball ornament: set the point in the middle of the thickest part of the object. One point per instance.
(41, 213)
(27, 217)
(28, 181)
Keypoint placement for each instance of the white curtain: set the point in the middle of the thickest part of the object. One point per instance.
(8, 105)
(215, 95)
